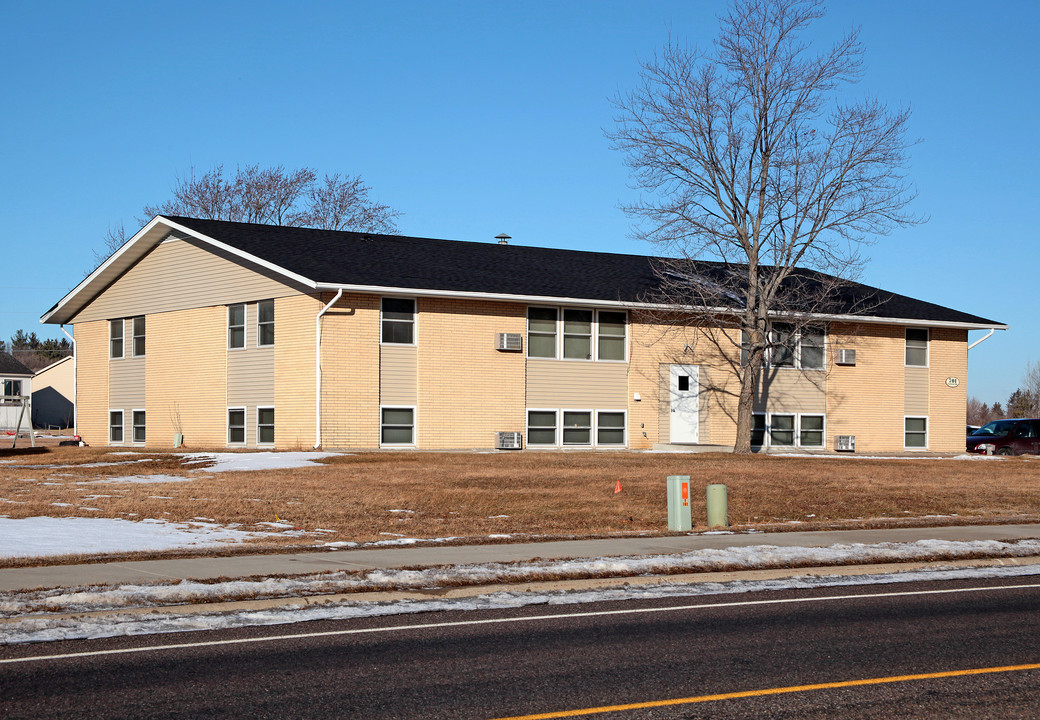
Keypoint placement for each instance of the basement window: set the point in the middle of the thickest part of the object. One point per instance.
(236, 423)
(115, 426)
(138, 426)
(397, 426)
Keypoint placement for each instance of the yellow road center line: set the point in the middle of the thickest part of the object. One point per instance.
(772, 691)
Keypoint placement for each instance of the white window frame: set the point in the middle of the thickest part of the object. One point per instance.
(414, 426)
(793, 430)
(134, 426)
(121, 426)
(413, 321)
(594, 336)
(822, 430)
(563, 428)
(265, 443)
(11, 387)
(624, 428)
(230, 327)
(915, 448)
(556, 427)
(767, 435)
(927, 348)
(260, 325)
(134, 336)
(112, 325)
(796, 364)
(593, 325)
(245, 424)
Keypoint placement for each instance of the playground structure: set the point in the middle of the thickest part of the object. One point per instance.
(20, 406)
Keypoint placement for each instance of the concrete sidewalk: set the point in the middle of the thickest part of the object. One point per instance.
(207, 568)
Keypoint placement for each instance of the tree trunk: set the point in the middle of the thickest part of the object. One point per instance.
(745, 409)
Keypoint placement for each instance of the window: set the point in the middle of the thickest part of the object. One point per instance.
(138, 425)
(577, 427)
(137, 325)
(586, 334)
(610, 428)
(115, 339)
(265, 426)
(12, 388)
(915, 433)
(236, 426)
(541, 333)
(398, 321)
(612, 335)
(917, 347)
(758, 430)
(781, 430)
(115, 426)
(236, 327)
(541, 427)
(811, 430)
(265, 322)
(803, 348)
(577, 334)
(397, 426)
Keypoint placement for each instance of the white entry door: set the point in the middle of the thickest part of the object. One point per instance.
(685, 415)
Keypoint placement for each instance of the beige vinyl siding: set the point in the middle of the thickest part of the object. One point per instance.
(126, 383)
(576, 385)
(178, 275)
(948, 357)
(785, 390)
(915, 393)
(398, 375)
(294, 371)
(250, 370)
(186, 376)
(92, 381)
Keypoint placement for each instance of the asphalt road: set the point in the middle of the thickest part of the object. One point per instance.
(555, 659)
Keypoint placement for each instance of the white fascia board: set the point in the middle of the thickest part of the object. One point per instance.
(553, 300)
(278, 269)
(133, 250)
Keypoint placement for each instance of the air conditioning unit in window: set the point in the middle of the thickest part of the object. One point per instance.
(508, 441)
(845, 443)
(512, 342)
(846, 356)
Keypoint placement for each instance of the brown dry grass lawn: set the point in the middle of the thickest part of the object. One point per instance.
(360, 497)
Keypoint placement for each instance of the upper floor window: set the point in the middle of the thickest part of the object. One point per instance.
(398, 321)
(12, 389)
(789, 347)
(115, 339)
(586, 334)
(236, 326)
(138, 336)
(265, 322)
(917, 347)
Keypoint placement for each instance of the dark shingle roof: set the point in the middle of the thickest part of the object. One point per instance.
(11, 366)
(396, 261)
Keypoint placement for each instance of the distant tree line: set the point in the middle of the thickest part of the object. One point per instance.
(1023, 402)
(34, 353)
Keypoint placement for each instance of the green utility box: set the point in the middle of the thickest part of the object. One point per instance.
(718, 506)
(679, 513)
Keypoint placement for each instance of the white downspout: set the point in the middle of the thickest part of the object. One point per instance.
(317, 368)
(987, 336)
(75, 398)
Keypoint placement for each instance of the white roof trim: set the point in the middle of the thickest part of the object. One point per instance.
(551, 300)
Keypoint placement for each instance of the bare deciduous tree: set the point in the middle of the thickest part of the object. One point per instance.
(271, 196)
(751, 158)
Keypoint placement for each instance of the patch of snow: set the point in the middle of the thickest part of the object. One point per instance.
(230, 462)
(141, 479)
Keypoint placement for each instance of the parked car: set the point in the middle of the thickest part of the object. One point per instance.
(1018, 436)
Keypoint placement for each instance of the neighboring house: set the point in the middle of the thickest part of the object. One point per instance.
(240, 335)
(16, 384)
(54, 388)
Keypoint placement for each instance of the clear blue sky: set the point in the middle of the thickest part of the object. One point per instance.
(475, 118)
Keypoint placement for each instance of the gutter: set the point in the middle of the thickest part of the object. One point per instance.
(985, 337)
(317, 368)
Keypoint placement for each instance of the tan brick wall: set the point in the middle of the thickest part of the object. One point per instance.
(468, 390)
(186, 377)
(294, 381)
(947, 407)
(92, 381)
(350, 372)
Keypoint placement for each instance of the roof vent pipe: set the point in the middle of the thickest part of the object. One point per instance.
(503, 239)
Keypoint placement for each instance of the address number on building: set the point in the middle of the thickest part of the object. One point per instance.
(953, 382)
